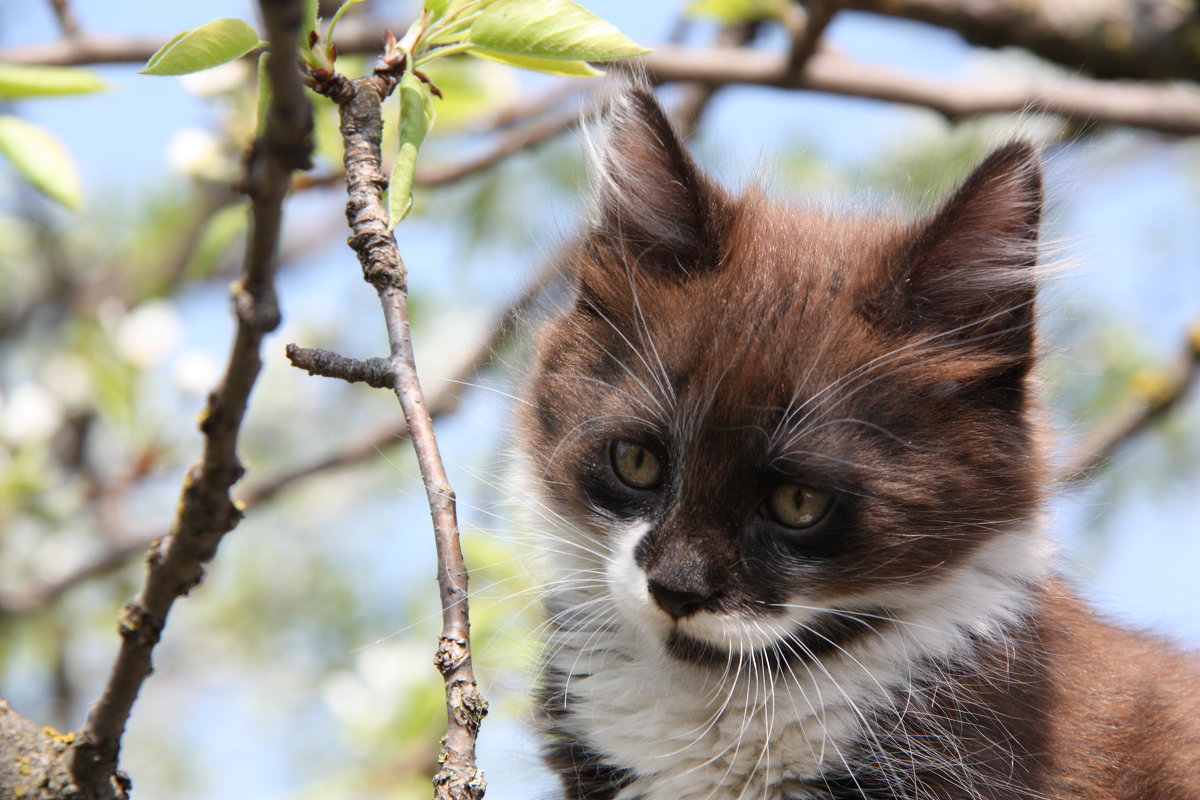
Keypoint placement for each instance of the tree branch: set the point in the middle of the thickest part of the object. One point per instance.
(458, 777)
(112, 558)
(86, 48)
(68, 22)
(206, 511)
(696, 96)
(34, 766)
(807, 35)
(443, 400)
(1112, 39)
(1167, 108)
(1143, 410)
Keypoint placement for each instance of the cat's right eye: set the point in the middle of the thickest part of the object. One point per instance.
(799, 507)
(637, 466)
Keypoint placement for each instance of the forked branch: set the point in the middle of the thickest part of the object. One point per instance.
(360, 103)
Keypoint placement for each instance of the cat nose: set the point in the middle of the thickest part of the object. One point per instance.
(675, 602)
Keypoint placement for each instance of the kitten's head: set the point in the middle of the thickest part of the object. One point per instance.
(754, 414)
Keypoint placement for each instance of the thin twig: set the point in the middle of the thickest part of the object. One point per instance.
(1142, 411)
(696, 97)
(114, 557)
(375, 372)
(458, 777)
(206, 511)
(68, 22)
(443, 400)
(808, 35)
(512, 141)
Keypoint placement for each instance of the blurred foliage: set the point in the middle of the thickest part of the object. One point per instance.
(735, 11)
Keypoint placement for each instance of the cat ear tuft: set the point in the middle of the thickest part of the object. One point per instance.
(652, 204)
(970, 270)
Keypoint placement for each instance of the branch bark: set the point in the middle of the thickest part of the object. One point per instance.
(34, 763)
(206, 510)
(458, 777)
(1113, 39)
(1171, 108)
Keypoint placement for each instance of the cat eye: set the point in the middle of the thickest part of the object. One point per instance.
(796, 506)
(637, 466)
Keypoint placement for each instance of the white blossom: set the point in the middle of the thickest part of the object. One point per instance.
(197, 372)
(148, 334)
(193, 152)
(32, 414)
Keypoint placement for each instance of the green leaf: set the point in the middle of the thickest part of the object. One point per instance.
(206, 47)
(440, 8)
(415, 117)
(471, 87)
(327, 135)
(18, 81)
(557, 29)
(309, 23)
(220, 232)
(263, 102)
(42, 160)
(732, 12)
(553, 66)
(337, 17)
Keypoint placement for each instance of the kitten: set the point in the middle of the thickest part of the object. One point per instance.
(792, 467)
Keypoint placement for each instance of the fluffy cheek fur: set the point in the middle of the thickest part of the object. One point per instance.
(626, 584)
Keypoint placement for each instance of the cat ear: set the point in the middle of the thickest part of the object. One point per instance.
(969, 272)
(653, 206)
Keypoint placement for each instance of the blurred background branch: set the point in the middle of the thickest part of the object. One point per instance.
(1153, 393)
(1115, 39)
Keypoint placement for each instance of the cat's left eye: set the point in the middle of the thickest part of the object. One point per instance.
(637, 466)
(795, 506)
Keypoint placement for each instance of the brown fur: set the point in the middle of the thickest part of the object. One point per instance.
(707, 327)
